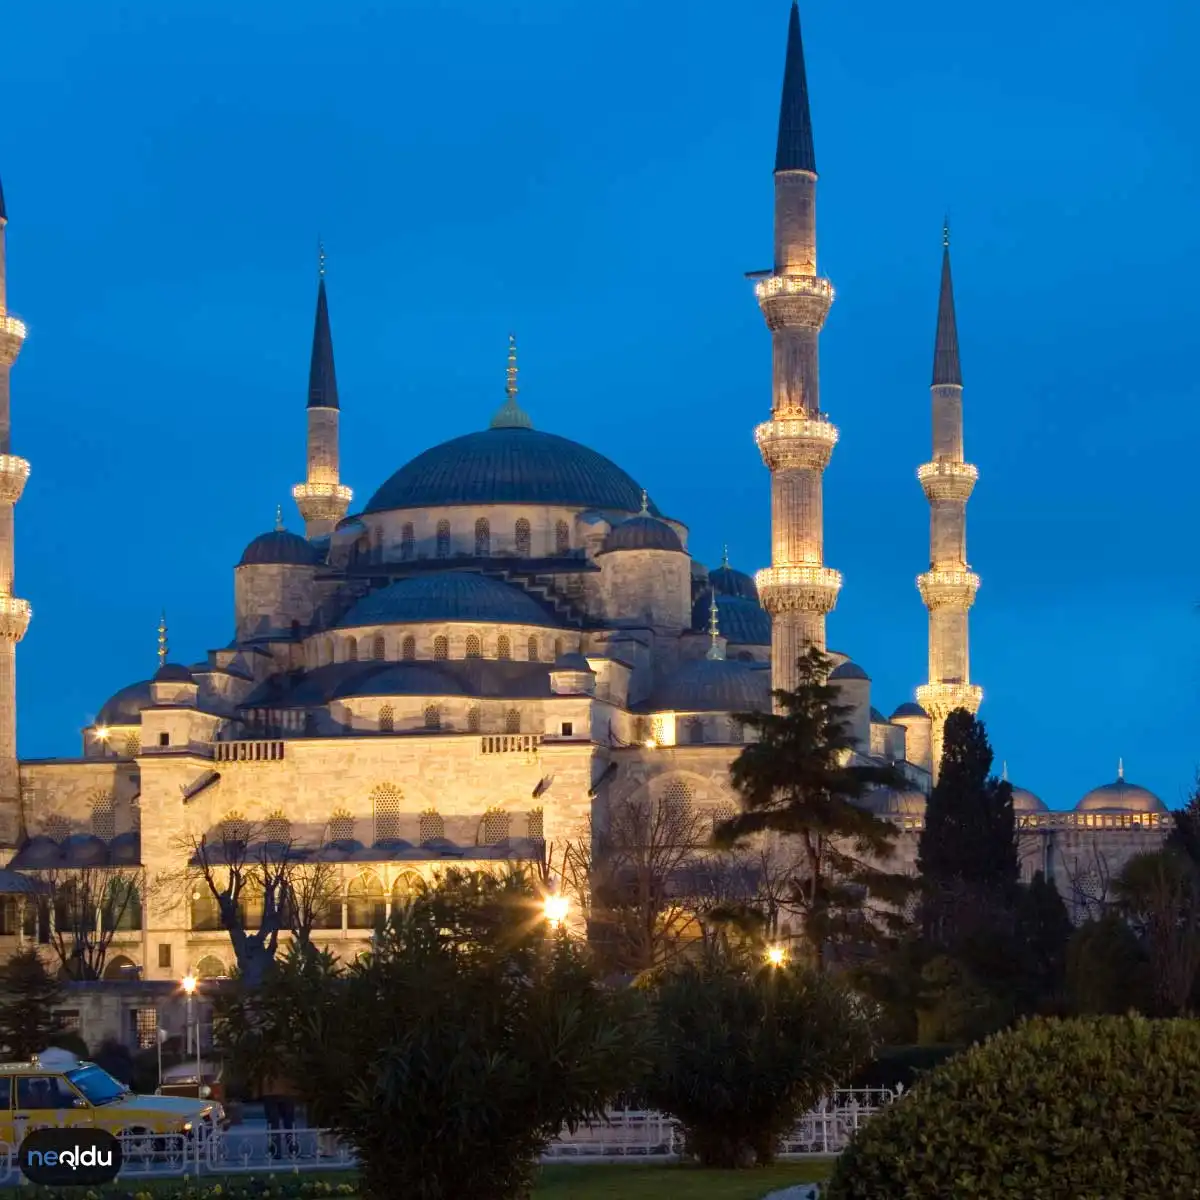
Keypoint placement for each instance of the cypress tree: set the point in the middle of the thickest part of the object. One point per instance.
(28, 998)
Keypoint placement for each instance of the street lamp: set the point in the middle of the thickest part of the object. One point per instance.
(555, 908)
(776, 956)
(193, 1011)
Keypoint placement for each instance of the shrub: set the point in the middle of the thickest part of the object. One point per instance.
(1093, 1108)
(742, 1051)
(71, 1042)
(116, 1059)
(902, 1066)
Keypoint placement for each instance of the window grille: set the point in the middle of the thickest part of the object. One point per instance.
(104, 816)
(431, 825)
(441, 648)
(503, 646)
(341, 826)
(524, 538)
(474, 720)
(562, 538)
(443, 539)
(512, 721)
(378, 647)
(387, 719)
(385, 803)
(496, 825)
(474, 646)
(433, 717)
(533, 649)
(483, 538)
(408, 648)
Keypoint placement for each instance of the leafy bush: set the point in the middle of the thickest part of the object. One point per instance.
(743, 1050)
(116, 1059)
(71, 1042)
(1091, 1108)
(902, 1065)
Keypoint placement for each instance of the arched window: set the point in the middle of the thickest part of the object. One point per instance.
(351, 650)
(512, 721)
(533, 649)
(211, 967)
(387, 719)
(104, 817)
(562, 538)
(524, 538)
(366, 649)
(365, 907)
(120, 967)
(558, 649)
(363, 546)
(443, 539)
(327, 650)
(405, 888)
(537, 825)
(504, 646)
(695, 731)
(483, 538)
(122, 907)
(379, 647)
(57, 827)
(474, 646)
(433, 717)
(677, 801)
(133, 745)
(431, 826)
(234, 829)
(494, 827)
(408, 648)
(407, 540)
(206, 917)
(277, 828)
(441, 648)
(385, 805)
(474, 719)
(341, 826)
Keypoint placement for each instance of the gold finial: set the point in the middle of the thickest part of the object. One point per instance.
(510, 415)
(162, 639)
(714, 630)
(725, 556)
(1120, 768)
(511, 387)
(279, 518)
(946, 232)
(645, 504)
(320, 259)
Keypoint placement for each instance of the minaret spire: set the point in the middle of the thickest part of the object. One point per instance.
(511, 415)
(798, 590)
(162, 640)
(715, 653)
(322, 498)
(948, 588)
(15, 613)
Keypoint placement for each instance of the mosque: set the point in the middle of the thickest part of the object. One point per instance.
(508, 637)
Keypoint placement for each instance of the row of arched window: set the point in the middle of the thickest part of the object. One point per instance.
(375, 648)
(432, 719)
(522, 539)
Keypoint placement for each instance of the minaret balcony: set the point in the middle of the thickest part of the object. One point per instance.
(15, 616)
(796, 443)
(939, 700)
(322, 501)
(948, 480)
(801, 588)
(794, 301)
(14, 472)
(948, 589)
(12, 336)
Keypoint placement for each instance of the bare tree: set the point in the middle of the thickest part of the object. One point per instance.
(1090, 883)
(90, 905)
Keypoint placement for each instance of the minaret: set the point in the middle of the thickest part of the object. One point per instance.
(322, 498)
(14, 613)
(948, 588)
(796, 443)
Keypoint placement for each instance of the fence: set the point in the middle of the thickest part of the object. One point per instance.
(624, 1135)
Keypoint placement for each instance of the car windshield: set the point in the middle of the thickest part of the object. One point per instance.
(97, 1085)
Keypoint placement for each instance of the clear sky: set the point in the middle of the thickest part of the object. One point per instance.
(598, 179)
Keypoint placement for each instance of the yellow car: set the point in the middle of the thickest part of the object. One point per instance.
(57, 1090)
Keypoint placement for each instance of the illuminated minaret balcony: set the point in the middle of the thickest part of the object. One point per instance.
(952, 481)
(322, 501)
(14, 472)
(12, 336)
(15, 616)
(948, 589)
(794, 301)
(805, 587)
(797, 443)
(939, 700)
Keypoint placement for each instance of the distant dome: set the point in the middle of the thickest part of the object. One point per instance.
(572, 661)
(907, 803)
(279, 548)
(125, 708)
(1024, 801)
(877, 718)
(729, 582)
(447, 596)
(910, 710)
(84, 850)
(713, 685)
(172, 673)
(510, 466)
(739, 620)
(1121, 796)
(642, 533)
(849, 670)
(403, 679)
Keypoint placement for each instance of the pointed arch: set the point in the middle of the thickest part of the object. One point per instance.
(407, 540)
(474, 646)
(441, 648)
(483, 538)
(408, 648)
(504, 646)
(523, 535)
(562, 538)
(365, 904)
(443, 539)
(432, 825)
(379, 647)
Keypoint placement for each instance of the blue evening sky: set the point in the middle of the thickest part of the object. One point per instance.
(598, 178)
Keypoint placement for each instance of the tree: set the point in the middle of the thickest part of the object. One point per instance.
(450, 1055)
(743, 1049)
(91, 905)
(1107, 972)
(1043, 931)
(1185, 836)
(798, 778)
(28, 999)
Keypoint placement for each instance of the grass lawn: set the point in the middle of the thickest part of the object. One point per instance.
(620, 1182)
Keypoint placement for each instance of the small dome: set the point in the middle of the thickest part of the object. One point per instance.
(172, 673)
(849, 670)
(713, 685)
(877, 718)
(642, 532)
(740, 621)
(572, 662)
(126, 848)
(39, 851)
(84, 850)
(447, 596)
(1024, 801)
(729, 582)
(907, 803)
(280, 548)
(403, 679)
(125, 707)
(910, 710)
(1121, 796)
(699, 571)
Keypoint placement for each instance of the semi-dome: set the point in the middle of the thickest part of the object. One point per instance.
(403, 679)
(901, 803)
(447, 596)
(849, 670)
(910, 709)
(172, 673)
(642, 532)
(280, 547)
(1024, 801)
(572, 661)
(740, 621)
(510, 465)
(713, 685)
(1121, 796)
(730, 582)
(125, 707)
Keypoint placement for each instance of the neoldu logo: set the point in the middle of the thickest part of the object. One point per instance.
(65, 1157)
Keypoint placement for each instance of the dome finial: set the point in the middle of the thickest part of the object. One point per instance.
(946, 232)
(162, 639)
(1004, 771)
(715, 653)
(279, 518)
(320, 258)
(1120, 768)
(510, 415)
(725, 556)
(645, 504)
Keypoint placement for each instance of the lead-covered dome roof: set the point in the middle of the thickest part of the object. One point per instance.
(642, 532)
(447, 596)
(280, 547)
(1024, 801)
(730, 582)
(510, 466)
(713, 685)
(740, 621)
(125, 707)
(1121, 796)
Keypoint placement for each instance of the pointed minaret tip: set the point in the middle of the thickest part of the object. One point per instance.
(3, 210)
(715, 653)
(645, 512)
(162, 639)
(794, 150)
(1120, 768)
(946, 366)
(279, 518)
(322, 378)
(1004, 771)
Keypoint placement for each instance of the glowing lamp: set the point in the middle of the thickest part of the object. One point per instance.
(555, 907)
(776, 956)
(189, 984)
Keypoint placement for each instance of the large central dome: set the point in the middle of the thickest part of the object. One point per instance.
(510, 466)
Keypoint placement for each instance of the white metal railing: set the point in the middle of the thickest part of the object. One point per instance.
(249, 751)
